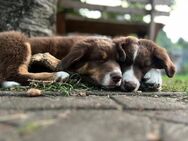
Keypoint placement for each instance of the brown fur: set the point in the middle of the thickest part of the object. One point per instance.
(142, 56)
(55, 45)
(11, 47)
(128, 45)
(73, 49)
(75, 52)
(157, 55)
(80, 54)
(150, 55)
(59, 47)
(15, 57)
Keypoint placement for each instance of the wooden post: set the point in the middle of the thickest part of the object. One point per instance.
(152, 22)
(61, 24)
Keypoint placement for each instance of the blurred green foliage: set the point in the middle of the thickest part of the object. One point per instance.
(177, 50)
(175, 84)
(182, 43)
(164, 41)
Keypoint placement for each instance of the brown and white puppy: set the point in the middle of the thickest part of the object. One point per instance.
(144, 57)
(92, 56)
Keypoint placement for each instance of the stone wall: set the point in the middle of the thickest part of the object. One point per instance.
(33, 17)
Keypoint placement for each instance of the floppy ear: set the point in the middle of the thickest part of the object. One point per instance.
(74, 55)
(121, 56)
(160, 57)
(121, 45)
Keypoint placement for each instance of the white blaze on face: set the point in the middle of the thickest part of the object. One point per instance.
(107, 81)
(135, 53)
(154, 77)
(129, 76)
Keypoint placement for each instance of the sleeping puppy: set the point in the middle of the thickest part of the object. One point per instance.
(91, 56)
(95, 57)
(141, 64)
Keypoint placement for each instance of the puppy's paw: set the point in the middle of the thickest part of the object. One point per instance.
(37, 57)
(152, 81)
(9, 84)
(59, 67)
(61, 76)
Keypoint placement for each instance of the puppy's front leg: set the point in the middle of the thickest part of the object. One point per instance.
(46, 60)
(152, 81)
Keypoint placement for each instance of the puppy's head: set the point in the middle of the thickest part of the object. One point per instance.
(127, 49)
(129, 45)
(96, 58)
(145, 55)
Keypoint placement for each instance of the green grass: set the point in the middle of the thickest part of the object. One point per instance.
(76, 84)
(176, 84)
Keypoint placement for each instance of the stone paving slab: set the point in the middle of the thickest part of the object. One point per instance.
(100, 93)
(172, 116)
(92, 125)
(105, 125)
(47, 103)
(175, 132)
(150, 94)
(15, 126)
(75, 118)
(95, 125)
(149, 103)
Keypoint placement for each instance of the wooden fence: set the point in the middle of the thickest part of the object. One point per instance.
(68, 22)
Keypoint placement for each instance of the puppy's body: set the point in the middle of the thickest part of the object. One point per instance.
(56, 46)
(89, 55)
(84, 55)
(14, 60)
(14, 50)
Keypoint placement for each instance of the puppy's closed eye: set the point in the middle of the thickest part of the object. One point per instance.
(121, 55)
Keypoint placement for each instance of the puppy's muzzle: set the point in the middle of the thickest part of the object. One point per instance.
(112, 80)
(129, 86)
(116, 77)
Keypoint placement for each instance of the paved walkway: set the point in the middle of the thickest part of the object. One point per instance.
(99, 116)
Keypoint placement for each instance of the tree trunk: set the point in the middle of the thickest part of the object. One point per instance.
(33, 17)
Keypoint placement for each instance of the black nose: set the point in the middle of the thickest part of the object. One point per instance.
(156, 85)
(129, 86)
(116, 77)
